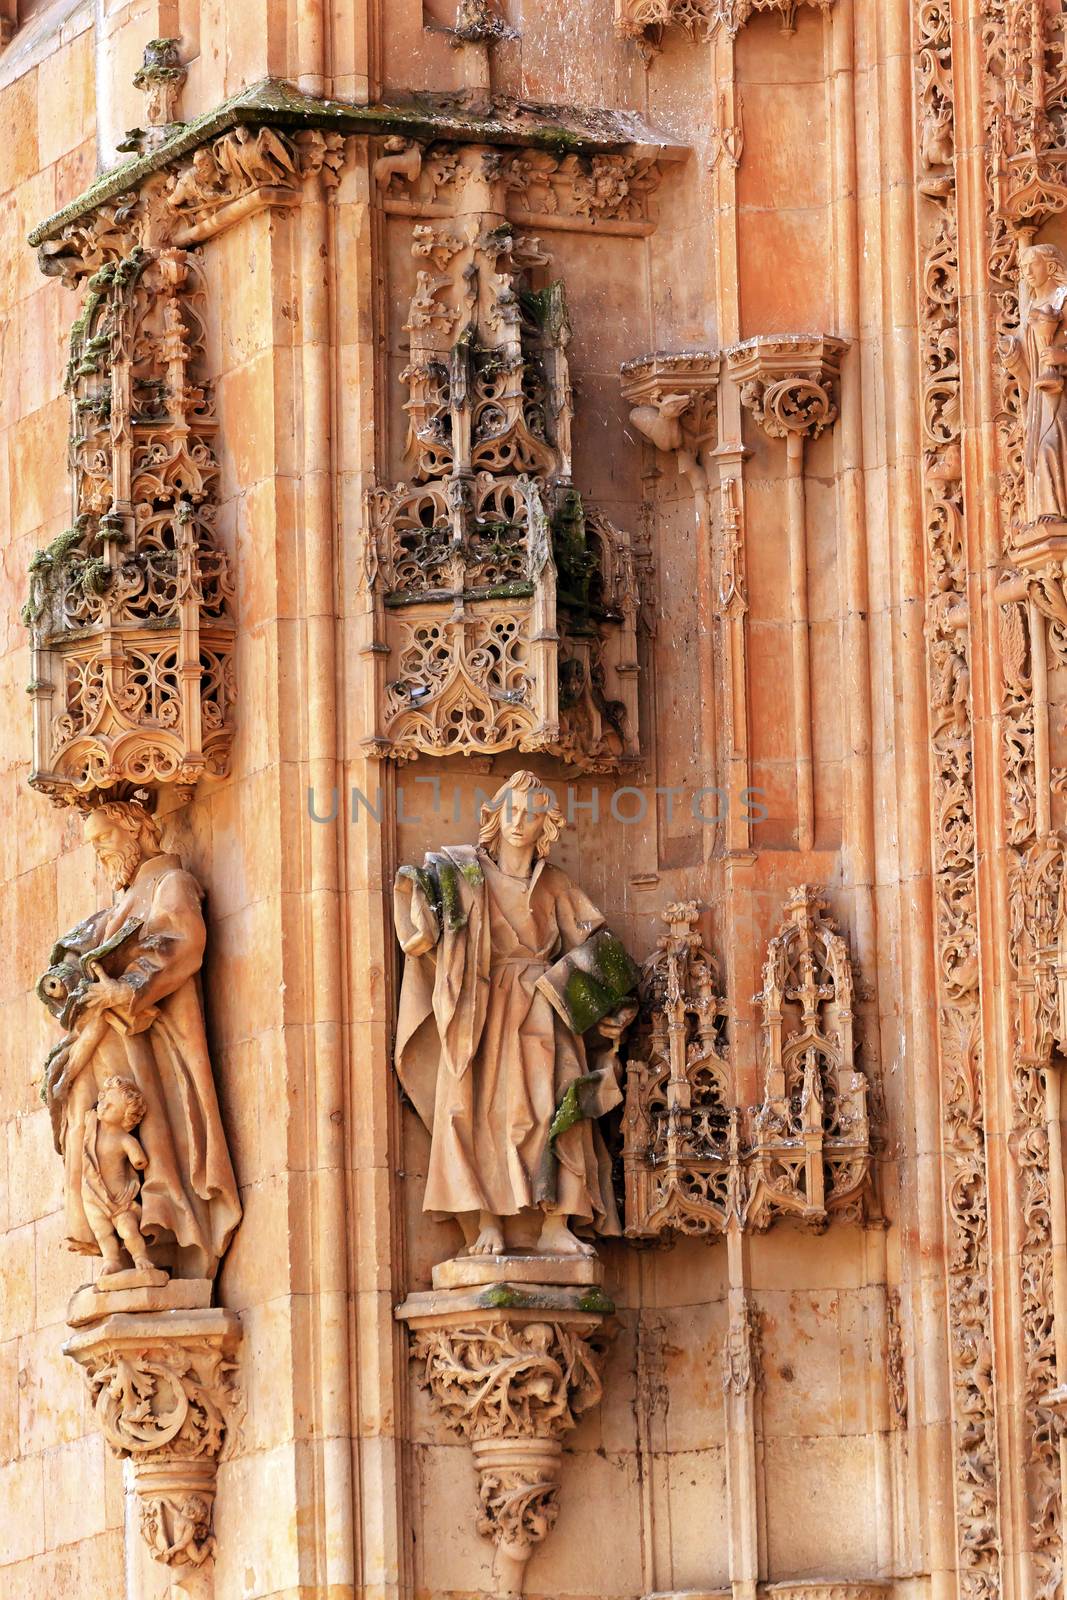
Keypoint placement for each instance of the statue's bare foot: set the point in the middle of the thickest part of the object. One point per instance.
(490, 1240)
(558, 1240)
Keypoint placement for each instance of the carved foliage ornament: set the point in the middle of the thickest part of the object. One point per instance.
(644, 20)
(1025, 106)
(513, 1387)
(695, 1161)
(165, 1395)
(952, 803)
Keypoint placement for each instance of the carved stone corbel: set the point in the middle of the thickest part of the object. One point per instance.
(511, 1366)
(788, 384)
(165, 1395)
(644, 20)
(673, 405)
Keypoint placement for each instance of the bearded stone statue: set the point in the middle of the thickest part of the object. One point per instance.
(124, 986)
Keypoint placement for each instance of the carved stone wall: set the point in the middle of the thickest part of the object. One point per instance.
(665, 396)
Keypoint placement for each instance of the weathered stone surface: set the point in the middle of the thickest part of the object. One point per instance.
(811, 361)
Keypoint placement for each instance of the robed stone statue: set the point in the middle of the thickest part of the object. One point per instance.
(130, 1089)
(1037, 357)
(507, 966)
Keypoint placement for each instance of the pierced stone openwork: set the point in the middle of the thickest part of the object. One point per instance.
(504, 609)
(130, 608)
(811, 1135)
(681, 1129)
(696, 1161)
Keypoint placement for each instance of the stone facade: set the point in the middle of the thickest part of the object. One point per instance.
(648, 415)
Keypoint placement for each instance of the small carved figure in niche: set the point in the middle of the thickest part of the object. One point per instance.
(507, 968)
(189, 1541)
(1036, 356)
(123, 984)
(112, 1161)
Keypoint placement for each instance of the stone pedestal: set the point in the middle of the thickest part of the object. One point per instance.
(509, 1348)
(161, 1376)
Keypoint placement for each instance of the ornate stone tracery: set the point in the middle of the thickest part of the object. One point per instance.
(1025, 110)
(130, 608)
(505, 611)
(681, 1154)
(811, 1134)
(695, 1161)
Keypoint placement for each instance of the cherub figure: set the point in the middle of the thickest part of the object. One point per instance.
(112, 1163)
(193, 1540)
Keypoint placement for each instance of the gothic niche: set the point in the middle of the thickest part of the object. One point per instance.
(504, 609)
(129, 608)
(680, 1130)
(694, 1160)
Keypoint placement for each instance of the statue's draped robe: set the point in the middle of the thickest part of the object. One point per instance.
(483, 1055)
(188, 1198)
(1046, 410)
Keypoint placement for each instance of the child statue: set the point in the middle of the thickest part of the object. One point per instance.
(112, 1161)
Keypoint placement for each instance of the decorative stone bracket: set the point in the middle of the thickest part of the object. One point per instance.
(511, 1364)
(645, 20)
(165, 1396)
(673, 397)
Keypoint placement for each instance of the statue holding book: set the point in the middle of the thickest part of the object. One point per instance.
(509, 971)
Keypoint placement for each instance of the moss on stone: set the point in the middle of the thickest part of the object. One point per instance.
(596, 1301)
(569, 1111)
(274, 102)
(587, 1000)
(504, 1297)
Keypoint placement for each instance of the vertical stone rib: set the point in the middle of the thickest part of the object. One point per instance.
(948, 633)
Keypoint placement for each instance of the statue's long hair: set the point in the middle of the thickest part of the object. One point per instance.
(137, 821)
(494, 812)
(1049, 253)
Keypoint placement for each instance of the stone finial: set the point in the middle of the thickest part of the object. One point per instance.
(161, 78)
